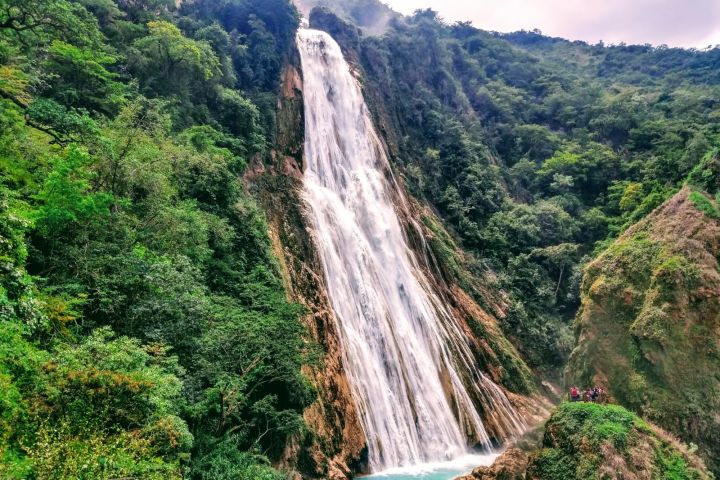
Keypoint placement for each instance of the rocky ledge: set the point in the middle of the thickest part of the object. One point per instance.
(511, 465)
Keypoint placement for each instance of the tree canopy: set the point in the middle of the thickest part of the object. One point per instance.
(145, 328)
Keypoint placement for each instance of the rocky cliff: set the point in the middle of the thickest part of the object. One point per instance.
(335, 446)
(649, 326)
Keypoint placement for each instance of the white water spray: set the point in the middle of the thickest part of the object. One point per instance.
(408, 362)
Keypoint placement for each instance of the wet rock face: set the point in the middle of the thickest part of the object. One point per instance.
(336, 444)
(511, 465)
(649, 326)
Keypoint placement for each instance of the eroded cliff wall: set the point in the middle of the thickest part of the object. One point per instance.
(336, 443)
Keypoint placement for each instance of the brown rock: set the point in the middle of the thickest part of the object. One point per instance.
(337, 444)
(511, 465)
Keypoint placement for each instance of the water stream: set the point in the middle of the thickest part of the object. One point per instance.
(408, 362)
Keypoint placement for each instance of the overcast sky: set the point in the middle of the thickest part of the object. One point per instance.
(682, 23)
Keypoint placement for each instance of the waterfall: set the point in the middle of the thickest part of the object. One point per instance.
(407, 359)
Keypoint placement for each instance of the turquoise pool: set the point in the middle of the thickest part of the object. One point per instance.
(435, 471)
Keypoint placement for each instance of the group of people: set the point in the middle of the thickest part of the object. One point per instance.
(595, 395)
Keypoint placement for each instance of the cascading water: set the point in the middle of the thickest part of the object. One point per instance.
(407, 360)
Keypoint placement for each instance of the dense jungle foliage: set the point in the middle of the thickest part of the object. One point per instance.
(538, 151)
(145, 332)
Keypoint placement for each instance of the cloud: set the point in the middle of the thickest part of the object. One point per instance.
(687, 23)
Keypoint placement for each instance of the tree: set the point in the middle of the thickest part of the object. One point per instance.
(66, 200)
(79, 77)
(48, 19)
(169, 63)
(113, 408)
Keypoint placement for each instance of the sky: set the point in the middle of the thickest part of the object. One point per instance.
(677, 23)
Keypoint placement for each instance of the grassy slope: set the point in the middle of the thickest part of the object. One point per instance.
(649, 326)
(589, 441)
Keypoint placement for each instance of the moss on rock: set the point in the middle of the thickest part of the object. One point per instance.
(649, 326)
(591, 441)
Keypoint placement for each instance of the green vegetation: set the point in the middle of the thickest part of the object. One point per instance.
(537, 152)
(704, 204)
(591, 441)
(144, 328)
(145, 331)
(647, 325)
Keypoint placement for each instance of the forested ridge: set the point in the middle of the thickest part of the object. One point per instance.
(538, 152)
(145, 331)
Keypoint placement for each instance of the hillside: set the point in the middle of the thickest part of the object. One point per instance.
(592, 441)
(146, 331)
(585, 440)
(649, 326)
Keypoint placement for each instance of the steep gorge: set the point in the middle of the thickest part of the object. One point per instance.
(339, 442)
(682, 356)
(394, 284)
